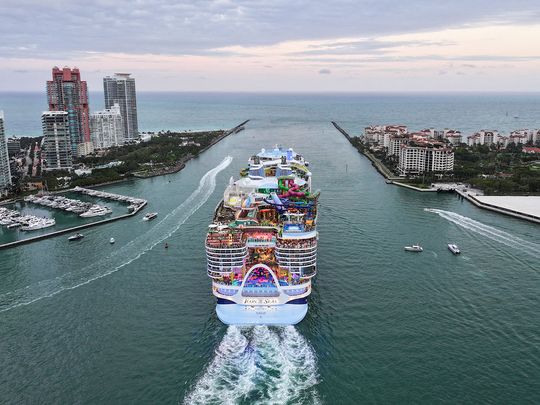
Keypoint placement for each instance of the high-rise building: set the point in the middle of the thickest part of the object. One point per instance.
(107, 127)
(120, 90)
(5, 172)
(67, 92)
(56, 145)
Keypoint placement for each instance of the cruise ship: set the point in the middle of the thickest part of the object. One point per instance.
(261, 247)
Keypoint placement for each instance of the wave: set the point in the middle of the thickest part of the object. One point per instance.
(127, 254)
(490, 232)
(260, 365)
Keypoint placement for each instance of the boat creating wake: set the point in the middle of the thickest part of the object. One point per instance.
(490, 232)
(123, 256)
(260, 365)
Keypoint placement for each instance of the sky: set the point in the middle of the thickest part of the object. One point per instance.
(275, 45)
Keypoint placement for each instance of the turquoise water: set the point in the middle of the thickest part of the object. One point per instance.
(135, 323)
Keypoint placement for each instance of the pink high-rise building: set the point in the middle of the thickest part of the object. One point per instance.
(67, 92)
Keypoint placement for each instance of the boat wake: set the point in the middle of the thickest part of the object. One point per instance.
(490, 232)
(123, 256)
(260, 365)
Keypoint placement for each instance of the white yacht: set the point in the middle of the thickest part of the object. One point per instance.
(454, 248)
(149, 216)
(414, 248)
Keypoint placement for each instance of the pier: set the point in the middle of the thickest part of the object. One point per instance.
(73, 228)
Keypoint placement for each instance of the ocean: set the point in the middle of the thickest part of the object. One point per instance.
(133, 322)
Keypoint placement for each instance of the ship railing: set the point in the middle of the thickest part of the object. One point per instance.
(284, 262)
(296, 255)
(297, 249)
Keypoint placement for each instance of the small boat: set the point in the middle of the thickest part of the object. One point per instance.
(149, 216)
(454, 248)
(77, 236)
(166, 245)
(111, 241)
(414, 248)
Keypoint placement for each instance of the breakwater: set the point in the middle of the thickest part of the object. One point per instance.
(391, 179)
(379, 166)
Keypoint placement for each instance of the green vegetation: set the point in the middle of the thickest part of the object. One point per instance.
(165, 152)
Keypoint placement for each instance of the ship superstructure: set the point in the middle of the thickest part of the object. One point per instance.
(262, 245)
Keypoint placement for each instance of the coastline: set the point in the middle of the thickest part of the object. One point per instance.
(234, 130)
(383, 170)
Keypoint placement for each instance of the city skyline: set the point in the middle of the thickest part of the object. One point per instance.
(273, 46)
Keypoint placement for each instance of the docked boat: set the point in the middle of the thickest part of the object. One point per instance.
(95, 211)
(261, 247)
(38, 223)
(150, 216)
(414, 248)
(454, 248)
(77, 236)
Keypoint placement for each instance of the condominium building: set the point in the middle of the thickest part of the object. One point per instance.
(394, 144)
(107, 128)
(56, 145)
(5, 172)
(120, 90)
(417, 159)
(67, 92)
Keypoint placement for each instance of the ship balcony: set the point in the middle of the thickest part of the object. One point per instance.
(225, 261)
(302, 271)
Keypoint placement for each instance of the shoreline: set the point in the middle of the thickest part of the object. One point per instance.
(392, 180)
(7, 245)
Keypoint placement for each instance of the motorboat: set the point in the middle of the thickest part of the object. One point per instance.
(77, 236)
(150, 216)
(111, 241)
(38, 223)
(414, 248)
(454, 248)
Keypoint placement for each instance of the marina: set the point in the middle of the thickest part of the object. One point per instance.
(13, 220)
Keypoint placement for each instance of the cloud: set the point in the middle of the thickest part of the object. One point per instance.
(325, 71)
(186, 27)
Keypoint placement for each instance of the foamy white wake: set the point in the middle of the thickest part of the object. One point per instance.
(259, 365)
(490, 232)
(123, 256)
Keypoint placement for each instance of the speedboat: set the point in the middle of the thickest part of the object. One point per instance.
(111, 241)
(414, 248)
(454, 248)
(77, 236)
(149, 216)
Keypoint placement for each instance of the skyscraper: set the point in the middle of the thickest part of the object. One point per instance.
(66, 92)
(120, 90)
(5, 172)
(56, 145)
(107, 127)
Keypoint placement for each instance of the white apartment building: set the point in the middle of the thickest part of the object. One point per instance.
(395, 143)
(420, 159)
(56, 143)
(107, 128)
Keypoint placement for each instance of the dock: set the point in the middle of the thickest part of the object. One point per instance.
(73, 228)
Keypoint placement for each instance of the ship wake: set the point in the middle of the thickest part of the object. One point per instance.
(490, 232)
(259, 365)
(120, 257)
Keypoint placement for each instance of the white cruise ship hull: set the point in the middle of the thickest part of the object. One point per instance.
(275, 315)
